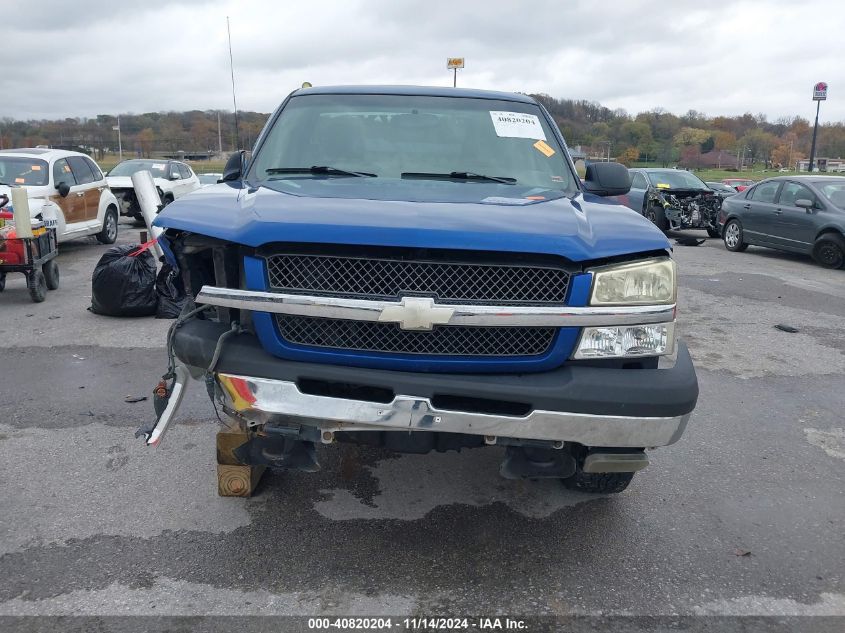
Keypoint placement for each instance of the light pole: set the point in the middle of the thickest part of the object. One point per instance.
(119, 141)
(234, 100)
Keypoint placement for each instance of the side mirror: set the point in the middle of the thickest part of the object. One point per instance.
(175, 175)
(805, 204)
(63, 188)
(235, 167)
(607, 179)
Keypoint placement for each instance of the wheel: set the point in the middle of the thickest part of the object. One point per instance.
(109, 233)
(598, 483)
(2, 282)
(51, 274)
(732, 236)
(37, 284)
(657, 217)
(829, 250)
(713, 232)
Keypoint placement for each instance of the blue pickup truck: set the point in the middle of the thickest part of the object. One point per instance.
(422, 269)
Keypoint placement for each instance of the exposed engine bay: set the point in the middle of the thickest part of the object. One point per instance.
(688, 208)
(128, 202)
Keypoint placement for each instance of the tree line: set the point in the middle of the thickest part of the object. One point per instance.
(655, 136)
(665, 138)
(140, 134)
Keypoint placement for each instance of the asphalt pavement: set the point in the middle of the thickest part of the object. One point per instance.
(744, 516)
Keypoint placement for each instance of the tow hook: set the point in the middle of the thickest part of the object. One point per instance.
(279, 451)
(165, 402)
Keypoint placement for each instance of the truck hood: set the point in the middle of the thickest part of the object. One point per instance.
(490, 217)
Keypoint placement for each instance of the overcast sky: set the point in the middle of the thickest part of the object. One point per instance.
(88, 57)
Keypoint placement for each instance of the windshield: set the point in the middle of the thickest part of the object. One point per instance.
(467, 142)
(29, 172)
(675, 179)
(129, 167)
(833, 190)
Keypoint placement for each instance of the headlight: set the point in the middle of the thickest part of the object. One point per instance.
(626, 341)
(649, 282)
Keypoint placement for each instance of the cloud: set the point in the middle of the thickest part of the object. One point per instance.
(721, 57)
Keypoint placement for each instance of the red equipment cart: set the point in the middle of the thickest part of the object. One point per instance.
(34, 256)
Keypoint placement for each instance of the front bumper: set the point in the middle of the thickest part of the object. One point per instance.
(594, 406)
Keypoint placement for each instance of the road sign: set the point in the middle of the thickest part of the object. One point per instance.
(454, 62)
(820, 91)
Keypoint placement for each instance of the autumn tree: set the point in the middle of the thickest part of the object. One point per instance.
(758, 144)
(691, 136)
(724, 140)
(627, 157)
(635, 134)
(145, 139)
(785, 155)
(690, 156)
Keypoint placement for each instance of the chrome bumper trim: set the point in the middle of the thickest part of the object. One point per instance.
(262, 401)
(423, 317)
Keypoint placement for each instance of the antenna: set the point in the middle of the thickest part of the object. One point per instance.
(234, 100)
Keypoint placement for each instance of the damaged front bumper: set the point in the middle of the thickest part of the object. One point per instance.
(279, 402)
(578, 403)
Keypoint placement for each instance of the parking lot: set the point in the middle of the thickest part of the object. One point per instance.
(745, 515)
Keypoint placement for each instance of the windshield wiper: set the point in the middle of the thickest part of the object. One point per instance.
(458, 175)
(319, 169)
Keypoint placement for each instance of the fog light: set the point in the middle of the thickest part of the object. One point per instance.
(626, 341)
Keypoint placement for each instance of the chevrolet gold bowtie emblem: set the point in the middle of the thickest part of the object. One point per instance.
(416, 313)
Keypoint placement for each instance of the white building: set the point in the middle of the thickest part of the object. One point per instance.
(823, 164)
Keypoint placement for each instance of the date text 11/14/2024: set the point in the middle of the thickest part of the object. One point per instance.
(420, 623)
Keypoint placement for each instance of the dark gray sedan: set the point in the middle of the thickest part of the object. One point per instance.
(802, 214)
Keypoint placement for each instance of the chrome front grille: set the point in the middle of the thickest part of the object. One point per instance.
(446, 282)
(447, 340)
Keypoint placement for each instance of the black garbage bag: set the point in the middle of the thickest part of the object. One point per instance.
(171, 293)
(124, 282)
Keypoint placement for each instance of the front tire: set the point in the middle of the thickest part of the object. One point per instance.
(829, 250)
(109, 233)
(598, 483)
(51, 274)
(657, 217)
(732, 236)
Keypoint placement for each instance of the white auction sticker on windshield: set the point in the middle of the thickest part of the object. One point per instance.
(517, 125)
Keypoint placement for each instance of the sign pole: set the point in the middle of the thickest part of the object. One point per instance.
(819, 95)
(453, 63)
(815, 130)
